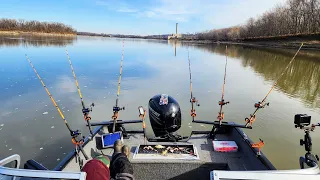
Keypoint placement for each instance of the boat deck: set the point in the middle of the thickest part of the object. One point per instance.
(244, 160)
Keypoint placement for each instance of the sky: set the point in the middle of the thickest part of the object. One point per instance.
(139, 17)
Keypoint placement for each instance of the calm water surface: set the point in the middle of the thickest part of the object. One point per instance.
(31, 127)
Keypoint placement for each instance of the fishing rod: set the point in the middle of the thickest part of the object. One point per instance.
(262, 104)
(116, 108)
(193, 100)
(85, 110)
(76, 139)
(222, 102)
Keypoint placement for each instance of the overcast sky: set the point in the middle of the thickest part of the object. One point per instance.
(138, 16)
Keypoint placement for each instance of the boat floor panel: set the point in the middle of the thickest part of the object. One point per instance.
(245, 159)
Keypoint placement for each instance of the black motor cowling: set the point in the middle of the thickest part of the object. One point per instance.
(164, 115)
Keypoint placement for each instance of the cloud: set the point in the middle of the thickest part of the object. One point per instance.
(127, 10)
(150, 14)
(177, 10)
(213, 13)
(181, 19)
(102, 3)
(161, 9)
(198, 14)
(177, 7)
(118, 6)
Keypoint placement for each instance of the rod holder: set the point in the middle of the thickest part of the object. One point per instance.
(117, 109)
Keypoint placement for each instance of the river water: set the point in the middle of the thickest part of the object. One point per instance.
(31, 127)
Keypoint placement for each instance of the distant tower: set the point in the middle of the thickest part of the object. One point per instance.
(176, 28)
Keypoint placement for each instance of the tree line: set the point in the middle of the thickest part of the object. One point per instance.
(92, 34)
(293, 18)
(162, 36)
(35, 26)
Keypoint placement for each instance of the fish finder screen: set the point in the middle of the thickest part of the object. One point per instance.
(109, 139)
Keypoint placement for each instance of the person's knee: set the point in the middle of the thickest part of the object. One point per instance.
(117, 146)
(96, 170)
(125, 150)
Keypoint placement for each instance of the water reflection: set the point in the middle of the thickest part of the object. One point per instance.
(301, 80)
(36, 41)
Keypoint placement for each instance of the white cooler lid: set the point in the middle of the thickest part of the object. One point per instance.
(225, 146)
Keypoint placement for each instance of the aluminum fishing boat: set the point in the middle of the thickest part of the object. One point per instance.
(206, 162)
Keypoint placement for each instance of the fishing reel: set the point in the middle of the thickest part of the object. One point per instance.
(117, 109)
(194, 100)
(222, 102)
(75, 135)
(115, 115)
(87, 118)
(78, 140)
(250, 120)
(220, 116)
(260, 105)
(78, 143)
(87, 110)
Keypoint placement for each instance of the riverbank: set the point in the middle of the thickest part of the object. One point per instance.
(22, 33)
(308, 45)
(285, 44)
(311, 41)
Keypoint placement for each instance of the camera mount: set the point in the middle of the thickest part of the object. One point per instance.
(303, 121)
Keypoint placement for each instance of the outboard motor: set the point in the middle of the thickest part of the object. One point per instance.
(165, 117)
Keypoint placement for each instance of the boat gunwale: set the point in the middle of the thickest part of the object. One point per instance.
(265, 161)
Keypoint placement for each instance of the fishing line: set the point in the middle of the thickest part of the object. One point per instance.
(262, 104)
(85, 110)
(116, 108)
(222, 102)
(74, 134)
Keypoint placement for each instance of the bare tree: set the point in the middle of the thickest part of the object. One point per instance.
(295, 17)
(35, 26)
